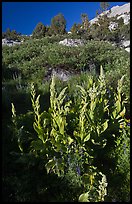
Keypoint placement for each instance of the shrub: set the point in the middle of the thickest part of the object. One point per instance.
(95, 137)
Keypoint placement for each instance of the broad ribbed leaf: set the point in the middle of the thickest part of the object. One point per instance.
(87, 138)
(104, 126)
(50, 165)
(37, 145)
(83, 197)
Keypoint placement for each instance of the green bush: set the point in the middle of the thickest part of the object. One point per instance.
(34, 57)
(61, 118)
(94, 145)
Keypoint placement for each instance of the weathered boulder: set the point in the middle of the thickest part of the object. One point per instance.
(127, 49)
(126, 43)
(71, 42)
(60, 73)
(10, 42)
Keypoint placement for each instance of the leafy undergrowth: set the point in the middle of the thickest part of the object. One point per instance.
(65, 141)
(76, 150)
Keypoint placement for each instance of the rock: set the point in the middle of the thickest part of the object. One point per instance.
(71, 42)
(113, 26)
(7, 42)
(61, 74)
(125, 43)
(127, 49)
(119, 11)
(126, 18)
(10, 42)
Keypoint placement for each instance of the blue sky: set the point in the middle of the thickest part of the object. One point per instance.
(24, 16)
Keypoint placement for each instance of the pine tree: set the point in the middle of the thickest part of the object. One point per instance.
(97, 13)
(58, 24)
(11, 35)
(85, 21)
(104, 6)
(74, 28)
(8, 33)
(39, 30)
(49, 31)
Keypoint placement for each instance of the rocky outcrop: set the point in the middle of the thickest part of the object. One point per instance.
(10, 42)
(60, 73)
(71, 42)
(126, 18)
(119, 11)
(127, 49)
(126, 45)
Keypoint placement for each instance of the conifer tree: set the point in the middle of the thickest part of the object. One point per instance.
(39, 30)
(58, 24)
(11, 35)
(75, 28)
(85, 21)
(104, 6)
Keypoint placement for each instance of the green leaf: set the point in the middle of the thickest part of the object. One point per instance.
(95, 143)
(86, 178)
(62, 95)
(61, 167)
(83, 197)
(114, 113)
(70, 140)
(58, 146)
(20, 138)
(104, 126)
(118, 105)
(87, 138)
(38, 130)
(50, 165)
(101, 71)
(82, 90)
(13, 110)
(122, 113)
(37, 145)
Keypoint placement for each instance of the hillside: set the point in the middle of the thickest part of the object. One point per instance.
(66, 115)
